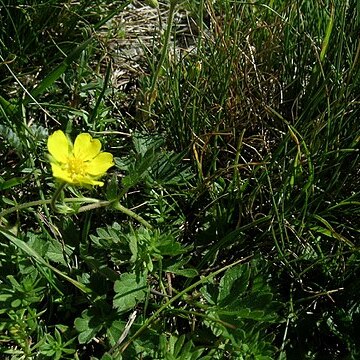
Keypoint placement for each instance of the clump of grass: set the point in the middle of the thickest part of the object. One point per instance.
(262, 104)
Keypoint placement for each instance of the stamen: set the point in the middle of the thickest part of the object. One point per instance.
(76, 167)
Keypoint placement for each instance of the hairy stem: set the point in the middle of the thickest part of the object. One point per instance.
(56, 196)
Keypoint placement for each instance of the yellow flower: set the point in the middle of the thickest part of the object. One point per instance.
(80, 163)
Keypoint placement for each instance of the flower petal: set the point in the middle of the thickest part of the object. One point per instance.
(59, 146)
(100, 164)
(85, 147)
(87, 180)
(61, 174)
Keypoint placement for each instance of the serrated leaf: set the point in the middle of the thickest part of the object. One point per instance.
(86, 336)
(102, 233)
(208, 295)
(170, 169)
(107, 356)
(215, 326)
(130, 289)
(140, 170)
(55, 253)
(82, 324)
(233, 284)
(115, 331)
(133, 248)
(262, 300)
(86, 333)
(178, 268)
(113, 235)
(87, 326)
(170, 247)
(144, 142)
(31, 252)
(38, 243)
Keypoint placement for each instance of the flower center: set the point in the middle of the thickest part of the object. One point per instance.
(76, 167)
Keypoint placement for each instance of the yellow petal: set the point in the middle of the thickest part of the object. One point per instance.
(61, 174)
(100, 164)
(85, 147)
(87, 180)
(59, 146)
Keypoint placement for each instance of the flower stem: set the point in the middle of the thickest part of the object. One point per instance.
(24, 206)
(92, 204)
(56, 195)
(44, 202)
(116, 205)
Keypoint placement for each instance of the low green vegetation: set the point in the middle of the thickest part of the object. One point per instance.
(228, 224)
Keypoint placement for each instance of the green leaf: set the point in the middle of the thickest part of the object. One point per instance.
(7, 184)
(189, 273)
(145, 142)
(56, 253)
(107, 356)
(11, 137)
(233, 284)
(130, 289)
(85, 336)
(178, 269)
(112, 189)
(31, 252)
(169, 246)
(115, 331)
(140, 169)
(38, 242)
(7, 106)
(133, 248)
(88, 326)
(170, 169)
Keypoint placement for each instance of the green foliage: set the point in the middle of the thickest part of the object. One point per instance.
(90, 323)
(241, 305)
(228, 227)
(141, 247)
(175, 348)
(129, 289)
(54, 347)
(152, 164)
